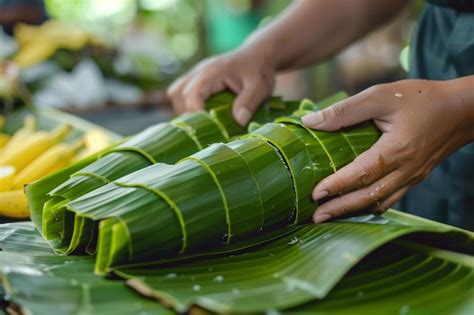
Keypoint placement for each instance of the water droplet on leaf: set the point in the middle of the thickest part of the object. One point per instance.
(294, 240)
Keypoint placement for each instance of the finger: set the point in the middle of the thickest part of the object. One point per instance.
(175, 93)
(353, 110)
(198, 89)
(360, 199)
(247, 102)
(367, 168)
(390, 201)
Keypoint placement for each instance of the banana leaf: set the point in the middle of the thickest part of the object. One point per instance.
(165, 142)
(300, 267)
(278, 164)
(43, 283)
(274, 272)
(402, 278)
(233, 249)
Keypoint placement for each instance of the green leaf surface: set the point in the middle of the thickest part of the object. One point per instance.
(43, 283)
(275, 192)
(298, 160)
(399, 280)
(284, 273)
(234, 178)
(201, 127)
(267, 274)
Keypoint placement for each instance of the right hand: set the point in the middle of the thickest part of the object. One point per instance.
(248, 73)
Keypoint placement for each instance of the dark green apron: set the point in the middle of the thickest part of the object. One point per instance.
(443, 49)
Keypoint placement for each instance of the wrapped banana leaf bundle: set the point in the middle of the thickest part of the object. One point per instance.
(222, 193)
(164, 143)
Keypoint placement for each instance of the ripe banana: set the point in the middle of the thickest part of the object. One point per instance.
(52, 160)
(4, 138)
(95, 140)
(13, 204)
(7, 175)
(19, 136)
(35, 145)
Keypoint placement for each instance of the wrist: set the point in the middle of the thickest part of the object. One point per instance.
(263, 47)
(463, 90)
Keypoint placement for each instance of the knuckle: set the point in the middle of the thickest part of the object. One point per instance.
(174, 95)
(338, 109)
(380, 208)
(189, 92)
(365, 176)
(419, 176)
(373, 196)
(173, 89)
(170, 94)
(404, 150)
(335, 186)
(376, 89)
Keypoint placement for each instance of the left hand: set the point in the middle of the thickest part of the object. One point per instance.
(422, 122)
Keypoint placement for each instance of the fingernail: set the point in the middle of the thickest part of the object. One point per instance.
(320, 194)
(313, 119)
(243, 116)
(320, 218)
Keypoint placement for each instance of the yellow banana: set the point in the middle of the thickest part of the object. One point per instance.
(39, 43)
(33, 53)
(4, 138)
(7, 175)
(19, 136)
(13, 204)
(32, 147)
(52, 160)
(95, 141)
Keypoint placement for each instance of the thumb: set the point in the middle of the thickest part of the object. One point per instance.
(248, 100)
(353, 110)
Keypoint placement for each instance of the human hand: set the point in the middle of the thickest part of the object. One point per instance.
(422, 122)
(247, 72)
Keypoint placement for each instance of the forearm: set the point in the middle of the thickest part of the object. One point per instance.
(313, 30)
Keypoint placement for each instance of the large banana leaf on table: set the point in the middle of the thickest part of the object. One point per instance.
(298, 269)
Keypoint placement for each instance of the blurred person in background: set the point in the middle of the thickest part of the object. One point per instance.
(16, 11)
(427, 121)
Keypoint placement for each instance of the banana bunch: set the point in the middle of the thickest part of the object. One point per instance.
(39, 43)
(28, 155)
